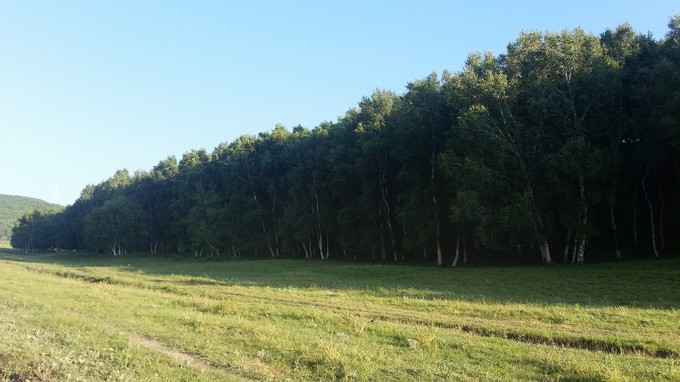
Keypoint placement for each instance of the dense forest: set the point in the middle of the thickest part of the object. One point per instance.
(565, 148)
(12, 207)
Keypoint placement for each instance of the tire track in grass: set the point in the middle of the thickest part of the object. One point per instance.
(437, 320)
(171, 352)
(180, 356)
(573, 342)
(135, 339)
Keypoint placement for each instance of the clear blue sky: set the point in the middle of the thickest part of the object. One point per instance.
(89, 87)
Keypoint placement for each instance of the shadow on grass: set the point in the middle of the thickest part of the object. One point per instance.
(647, 284)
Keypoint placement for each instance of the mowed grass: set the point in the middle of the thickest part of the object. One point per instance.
(142, 317)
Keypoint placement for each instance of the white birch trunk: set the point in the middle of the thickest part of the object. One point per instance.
(269, 242)
(545, 252)
(328, 246)
(115, 248)
(317, 214)
(382, 179)
(545, 246)
(581, 249)
(651, 212)
(439, 254)
(455, 258)
(566, 247)
(319, 241)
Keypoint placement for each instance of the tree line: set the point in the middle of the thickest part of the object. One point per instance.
(12, 207)
(565, 147)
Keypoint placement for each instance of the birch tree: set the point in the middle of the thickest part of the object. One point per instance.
(507, 151)
(420, 124)
(375, 162)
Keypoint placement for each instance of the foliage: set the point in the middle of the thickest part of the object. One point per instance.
(12, 207)
(565, 147)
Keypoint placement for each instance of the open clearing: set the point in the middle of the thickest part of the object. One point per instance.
(141, 317)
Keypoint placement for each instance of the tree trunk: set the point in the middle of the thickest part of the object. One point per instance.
(566, 247)
(437, 228)
(581, 249)
(651, 212)
(545, 252)
(382, 179)
(584, 220)
(115, 248)
(317, 214)
(268, 239)
(455, 259)
(319, 241)
(464, 250)
(565, 257)
(545, 246)
(328, 246)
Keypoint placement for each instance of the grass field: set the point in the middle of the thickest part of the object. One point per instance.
(138, 318)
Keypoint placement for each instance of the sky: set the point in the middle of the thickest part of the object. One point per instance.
(90, 87)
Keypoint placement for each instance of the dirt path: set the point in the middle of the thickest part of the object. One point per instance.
(178, 355)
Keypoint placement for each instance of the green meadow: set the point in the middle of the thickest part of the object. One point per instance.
(77, 317)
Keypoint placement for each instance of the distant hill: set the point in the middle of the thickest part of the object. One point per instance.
(12, 207)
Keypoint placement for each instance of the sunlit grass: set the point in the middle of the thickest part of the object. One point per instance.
(298, 320)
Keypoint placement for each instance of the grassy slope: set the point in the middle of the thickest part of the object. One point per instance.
(12, 207)
(277, 320)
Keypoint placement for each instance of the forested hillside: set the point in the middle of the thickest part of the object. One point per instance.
(12, 207)
(566, 147)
